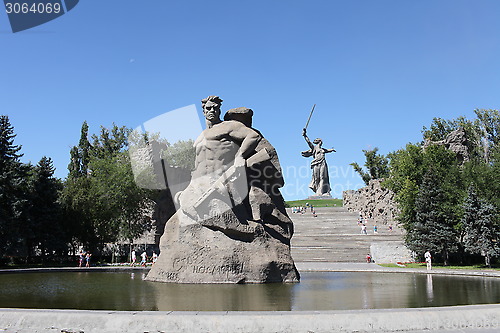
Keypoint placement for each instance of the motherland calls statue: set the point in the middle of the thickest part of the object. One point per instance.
(320, 182)
(231, 226)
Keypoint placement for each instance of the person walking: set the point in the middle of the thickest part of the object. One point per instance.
(428, 260)
(87, 259)
(363, 229)
(81, 257)
(144, 258)
(133, 258)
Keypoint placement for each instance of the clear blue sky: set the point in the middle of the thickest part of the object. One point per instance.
(377, 71)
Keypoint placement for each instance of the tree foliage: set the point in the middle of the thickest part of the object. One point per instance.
(433, 228)
(98, 203)
(45, 230)
(181, 154)
(30, 216)
(376, 165)
(100, 193)
(481, 227)
(430, 183)
(13, 189)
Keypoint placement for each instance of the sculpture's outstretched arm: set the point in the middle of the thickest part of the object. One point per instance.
(304, 134)
(249, 140)
(330, 150)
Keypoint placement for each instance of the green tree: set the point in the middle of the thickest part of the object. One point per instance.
(411, 169)
(105, 201)
(376, 164)
(483, 170)
(406, 172)
(75, 198)
(481, 228)
(45, 232)
(13, 188)
(120, 206)
(109, 142)
(181, 154)
(80, 155)
(485, 178)
(488, 131)
(440, 128)
(433, 229)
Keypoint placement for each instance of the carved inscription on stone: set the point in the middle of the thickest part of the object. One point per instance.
(174, 276)
(230, 268)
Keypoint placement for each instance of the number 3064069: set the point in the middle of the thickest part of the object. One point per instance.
(35, 8)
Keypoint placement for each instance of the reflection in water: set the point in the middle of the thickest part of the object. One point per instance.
(316, 291)
(223, 297)
(360, 290)
(430, 291)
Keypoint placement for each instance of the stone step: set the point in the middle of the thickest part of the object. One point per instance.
(335, 236)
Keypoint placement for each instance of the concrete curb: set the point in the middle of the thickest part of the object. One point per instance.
(452, 319)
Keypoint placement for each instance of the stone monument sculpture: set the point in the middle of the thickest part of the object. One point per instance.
(231, 225)
(320, 182)
(457, 142)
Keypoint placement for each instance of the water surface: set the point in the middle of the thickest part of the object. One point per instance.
(316, 291)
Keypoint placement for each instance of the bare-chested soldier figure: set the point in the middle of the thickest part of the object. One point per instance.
(222, 145)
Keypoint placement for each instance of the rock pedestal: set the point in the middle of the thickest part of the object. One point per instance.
(193, 253)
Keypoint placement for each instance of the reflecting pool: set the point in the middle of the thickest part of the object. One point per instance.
(316, 291)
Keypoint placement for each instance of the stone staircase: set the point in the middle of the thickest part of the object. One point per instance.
(335, 236)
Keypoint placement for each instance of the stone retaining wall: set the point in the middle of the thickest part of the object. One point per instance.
(390, 252)
(373, 201)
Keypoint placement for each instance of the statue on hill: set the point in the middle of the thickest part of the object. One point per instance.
(320, 182)
(231, 226)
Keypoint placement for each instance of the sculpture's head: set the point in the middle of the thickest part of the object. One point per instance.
(318, 141)
(243, 115)
(211, 108)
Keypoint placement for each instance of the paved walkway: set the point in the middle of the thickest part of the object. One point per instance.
(365, 267)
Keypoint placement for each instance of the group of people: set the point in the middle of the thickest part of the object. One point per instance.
(363, 229)
(144, 258)
(304, 209)
(363, 221)
(84, 256)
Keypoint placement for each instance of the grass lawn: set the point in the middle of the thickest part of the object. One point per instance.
(316, 203)
(440, 266)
